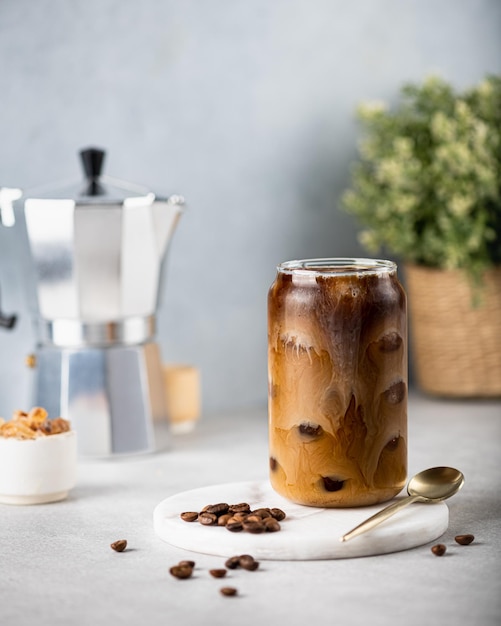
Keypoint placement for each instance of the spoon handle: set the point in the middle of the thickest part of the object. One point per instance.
(379, 517)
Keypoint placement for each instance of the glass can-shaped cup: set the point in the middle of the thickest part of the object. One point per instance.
(337, 378)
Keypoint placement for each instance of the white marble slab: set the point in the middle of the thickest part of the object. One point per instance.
(306, 534)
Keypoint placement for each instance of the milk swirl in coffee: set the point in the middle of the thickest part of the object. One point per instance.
(337, 362)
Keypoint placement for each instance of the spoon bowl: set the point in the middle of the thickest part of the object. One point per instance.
(431, 485)
(435, 484)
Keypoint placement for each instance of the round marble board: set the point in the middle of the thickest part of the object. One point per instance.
(307, 533)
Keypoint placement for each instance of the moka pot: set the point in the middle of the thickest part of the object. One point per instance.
(97, 250)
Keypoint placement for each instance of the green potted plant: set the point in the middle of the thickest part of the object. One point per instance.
(427, 190)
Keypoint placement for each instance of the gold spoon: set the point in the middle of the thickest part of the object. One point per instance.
(431, 485)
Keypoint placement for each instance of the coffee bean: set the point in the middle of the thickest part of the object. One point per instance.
(253, 527)
(187, 563)
(228, 591)
(189, 516)
(332, 484)
(119, 546)
(271, 525)
(240, 515)
(390, 342)
(395, 392)
(218, 509)
(393, 444)
(248, 562)
(278, 514)
(309, 429)
(181, 571)
(222, 520)
(439, 549)
(464, 540)
(218, 573)
(233, 562)
(207, 519)
(254, 517)
(263, 511)
(242, 507)
(273, 464)
(234, 525)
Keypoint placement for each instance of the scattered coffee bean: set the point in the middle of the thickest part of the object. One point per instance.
(246, 561)
(254, 527)
(218, 573)
(181, 571)
(240, 515)
(278, 514)
(189, 516)
(234, 525)
(218, 509)
(271, 525)
(228, 591)
(187, 563)
(439, 549)
(119, 546)
(207, 519)
(223, 519)
(233, 562)
(464, 540)
(243, 507)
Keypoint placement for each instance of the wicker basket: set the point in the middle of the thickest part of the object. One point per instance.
(456, 346)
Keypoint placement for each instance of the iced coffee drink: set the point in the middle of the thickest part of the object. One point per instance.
(337, 363)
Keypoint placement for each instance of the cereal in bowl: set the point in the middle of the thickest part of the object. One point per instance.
(34, 424)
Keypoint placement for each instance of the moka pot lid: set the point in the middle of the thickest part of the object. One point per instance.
(95, 188)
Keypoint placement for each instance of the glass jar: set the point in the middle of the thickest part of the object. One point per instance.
(337, 371)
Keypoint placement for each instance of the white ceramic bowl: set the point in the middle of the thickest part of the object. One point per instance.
(36, 471)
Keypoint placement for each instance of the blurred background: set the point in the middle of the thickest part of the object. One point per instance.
(246, 108)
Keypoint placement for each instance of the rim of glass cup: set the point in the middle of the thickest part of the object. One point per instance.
(337, 266)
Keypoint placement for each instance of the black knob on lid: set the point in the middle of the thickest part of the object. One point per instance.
(92, 161)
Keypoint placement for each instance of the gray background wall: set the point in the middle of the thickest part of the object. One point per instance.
(243, 106)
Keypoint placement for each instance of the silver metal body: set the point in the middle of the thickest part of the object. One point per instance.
(97, 261)
(110, 394)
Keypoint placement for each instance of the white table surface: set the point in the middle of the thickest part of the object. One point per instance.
(56, 566)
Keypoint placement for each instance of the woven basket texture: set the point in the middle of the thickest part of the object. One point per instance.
(456, 345)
